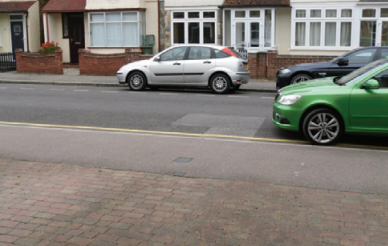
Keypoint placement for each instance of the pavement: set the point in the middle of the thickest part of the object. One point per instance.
(67, 204)
(71, 76)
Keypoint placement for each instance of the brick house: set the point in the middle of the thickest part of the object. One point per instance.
(271, 33)
(19, 25)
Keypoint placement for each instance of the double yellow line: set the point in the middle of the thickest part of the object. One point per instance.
(94, 128)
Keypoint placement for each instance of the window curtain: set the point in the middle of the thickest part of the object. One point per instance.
(300, 34)
(330, 33)
(384, 34)
(268, 28)
(346, 31)
(315, 34)
(98, 34)
(368, 33)
(131, 32)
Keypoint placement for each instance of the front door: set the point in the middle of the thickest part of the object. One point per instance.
(17, 35)
(76, 35)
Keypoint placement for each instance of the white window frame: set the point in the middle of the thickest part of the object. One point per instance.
(377, 18)
(323, 20)
(247, 19)
(201, 20)
(139, 21)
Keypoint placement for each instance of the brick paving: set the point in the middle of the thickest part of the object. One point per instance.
(64, 204)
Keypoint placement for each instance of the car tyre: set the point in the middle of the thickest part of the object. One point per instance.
(137, 81)
(323, 126)
(220, 83)
(300, 78)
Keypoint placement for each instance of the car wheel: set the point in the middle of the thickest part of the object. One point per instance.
(300, 78)
(322, 126)
(220, 83)
(137, 81)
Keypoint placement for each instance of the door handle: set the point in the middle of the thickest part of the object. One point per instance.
(176, 63)
(207, 62)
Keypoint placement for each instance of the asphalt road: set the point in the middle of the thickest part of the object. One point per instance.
(245, 114)
(183, 133)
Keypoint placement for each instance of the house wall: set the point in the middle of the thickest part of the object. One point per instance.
(34, 27)
(114, 4)
(201, 3)
(55, 33)
(5, 35)
(32, 24)
(151, 22)
(151, 19)
(283, 30)
(319, 1)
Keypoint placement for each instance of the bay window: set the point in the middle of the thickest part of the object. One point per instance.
(116, 29)
(322, 28)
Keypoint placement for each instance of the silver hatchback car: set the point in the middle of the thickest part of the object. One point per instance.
(220, 68)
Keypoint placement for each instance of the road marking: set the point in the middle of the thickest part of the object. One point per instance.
(24, 88)
(3, 88)
(109, 91)
(57, 89)
(272, 98)
(240, 96)
(168, 94)
(204, 95)
(182, 134)
(81, 90)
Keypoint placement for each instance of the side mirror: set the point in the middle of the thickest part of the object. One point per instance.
(343, 61)
(157, 59)
(371, 84)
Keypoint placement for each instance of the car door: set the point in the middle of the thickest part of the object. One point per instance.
(368, 107)
(198, 66)
(168, 67)
(357, 59)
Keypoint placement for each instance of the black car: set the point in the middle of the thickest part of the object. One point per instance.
(339, 66)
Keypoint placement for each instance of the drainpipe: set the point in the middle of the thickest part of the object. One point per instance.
(158, 26)
(28, 40)
(47, 28)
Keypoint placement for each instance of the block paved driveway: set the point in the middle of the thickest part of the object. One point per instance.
(65, 204)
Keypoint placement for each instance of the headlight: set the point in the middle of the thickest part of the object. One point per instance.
(284, 71)
(289, 99)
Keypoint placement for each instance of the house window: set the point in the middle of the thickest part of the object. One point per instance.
(324, 28)
(194, 27)
(116, 29)
(65, 25)
(374, 27)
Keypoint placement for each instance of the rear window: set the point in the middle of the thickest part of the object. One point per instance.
(221, 54)
(232, 52)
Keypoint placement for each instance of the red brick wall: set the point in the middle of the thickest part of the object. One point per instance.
(263, 65)
(37, 62)
(107, 64)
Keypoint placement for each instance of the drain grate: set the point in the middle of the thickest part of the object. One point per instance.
(183, 159)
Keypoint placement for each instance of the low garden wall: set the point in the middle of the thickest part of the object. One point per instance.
(265, 64)
(37, 62)
(107, 64)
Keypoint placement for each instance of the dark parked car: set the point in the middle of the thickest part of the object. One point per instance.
(339, 66)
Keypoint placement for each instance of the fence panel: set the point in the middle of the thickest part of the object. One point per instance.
(7, 62)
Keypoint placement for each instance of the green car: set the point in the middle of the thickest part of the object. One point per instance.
(324, 109)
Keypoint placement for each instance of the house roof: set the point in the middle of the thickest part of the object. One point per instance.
(10, 7)
(252, 3)
(65, 6)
